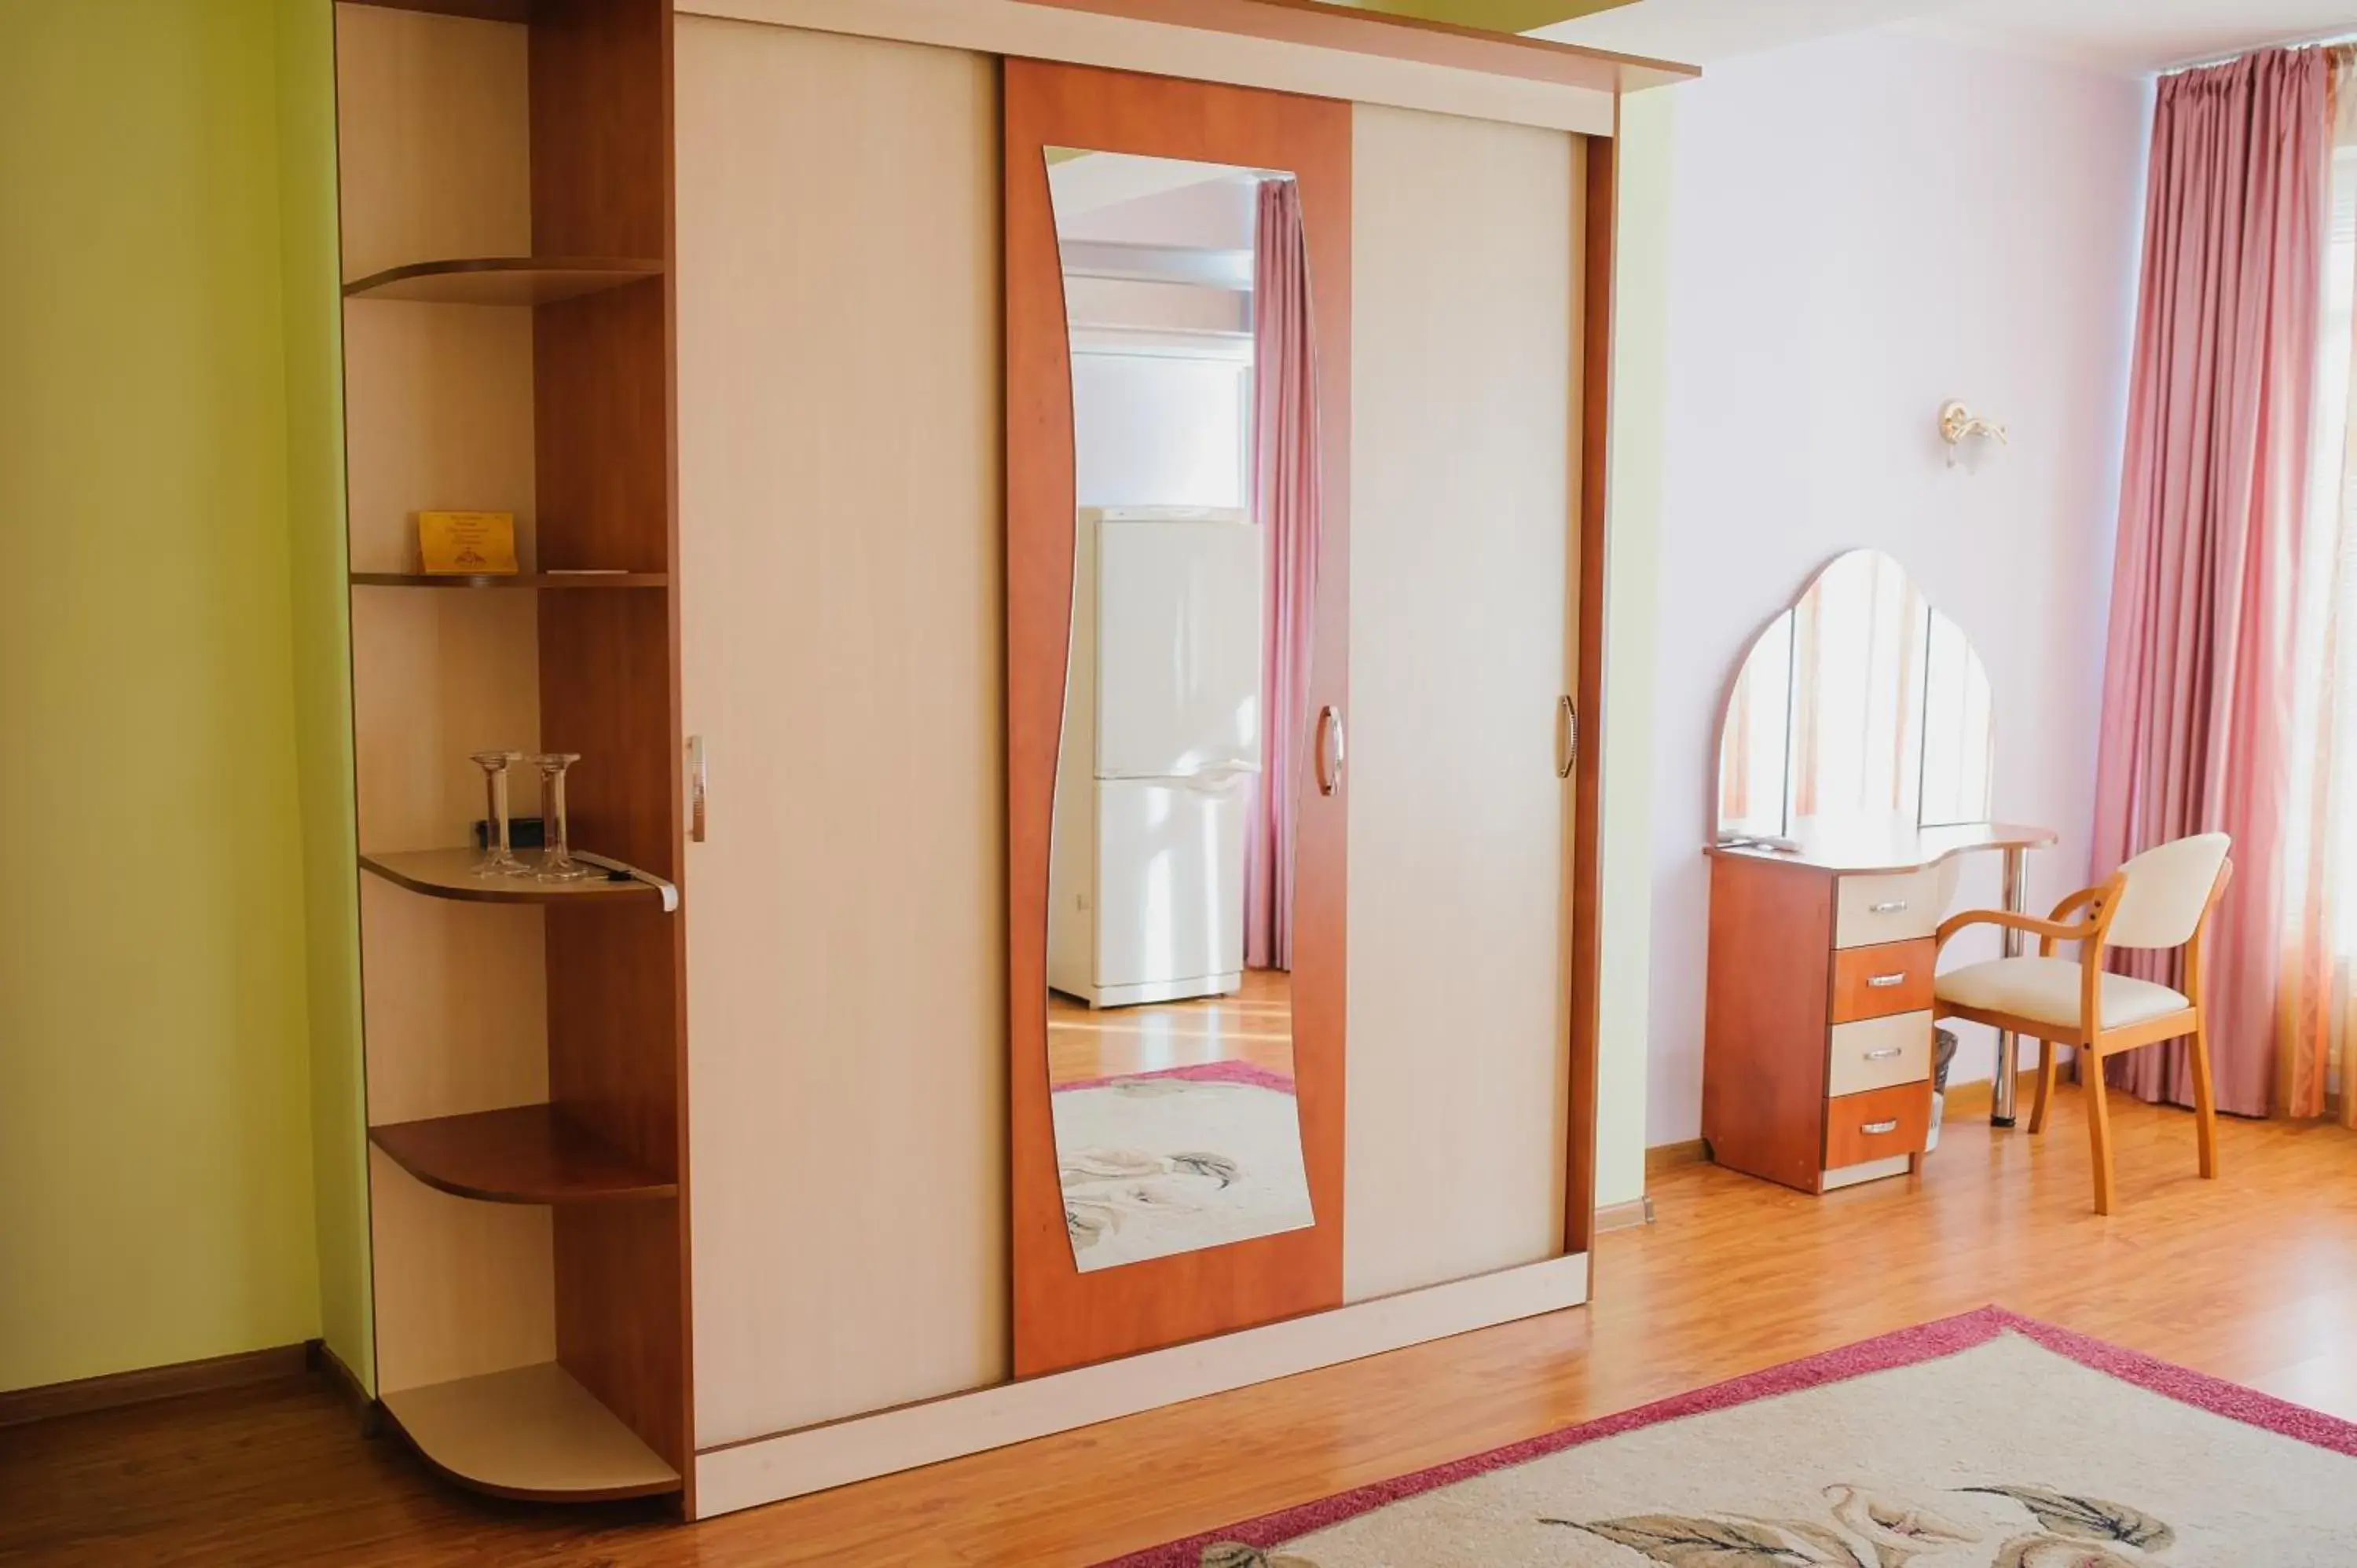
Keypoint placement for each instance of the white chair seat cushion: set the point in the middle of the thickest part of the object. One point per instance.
(2046, 988)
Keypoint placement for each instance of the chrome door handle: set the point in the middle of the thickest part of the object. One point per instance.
(1894, 907)
(1884, 1055)
(1885, 981)
(1876, 1128)
(1330, 751)
(699, 784)
(1566, 737)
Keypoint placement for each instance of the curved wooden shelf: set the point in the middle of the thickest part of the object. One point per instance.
(515, 580)
(503, 280)
(530, 1433)
(522, 1153)
(450, 874)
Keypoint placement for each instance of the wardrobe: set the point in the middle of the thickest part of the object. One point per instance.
(759, 1161)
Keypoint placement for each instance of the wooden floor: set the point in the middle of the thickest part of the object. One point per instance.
(1253, 1026)
(2253, 1277)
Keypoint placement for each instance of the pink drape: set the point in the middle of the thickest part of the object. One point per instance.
(1286, 503)
(2197, 716)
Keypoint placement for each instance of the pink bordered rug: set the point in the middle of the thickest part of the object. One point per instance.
(1984, 1441)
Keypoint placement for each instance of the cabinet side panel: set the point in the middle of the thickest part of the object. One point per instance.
(1764, 1041)
(840, 574)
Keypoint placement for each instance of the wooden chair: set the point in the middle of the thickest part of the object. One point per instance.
(2162, 898)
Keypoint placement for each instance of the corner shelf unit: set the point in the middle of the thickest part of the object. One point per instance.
(525, 1154)
(450, 874)
(529, 1264)
(557, 580)
(529, 1432)
(501, 280)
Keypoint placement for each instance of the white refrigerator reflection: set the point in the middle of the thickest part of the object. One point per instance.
(1160, 759)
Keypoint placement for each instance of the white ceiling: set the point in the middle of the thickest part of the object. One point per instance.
(2130, 36)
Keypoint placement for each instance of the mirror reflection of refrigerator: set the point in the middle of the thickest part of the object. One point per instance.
(1160, 758)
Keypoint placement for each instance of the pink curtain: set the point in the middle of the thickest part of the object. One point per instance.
(1286, 502)
(2198, 714)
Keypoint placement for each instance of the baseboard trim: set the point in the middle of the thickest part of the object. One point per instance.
(767, 1469)
(111, 1390)
(1669, 1156)
(1624, 1216)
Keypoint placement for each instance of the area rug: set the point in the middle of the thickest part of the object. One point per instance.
(1985, 1441)
(1157, 1163)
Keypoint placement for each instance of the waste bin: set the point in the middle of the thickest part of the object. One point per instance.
(1943, 1056)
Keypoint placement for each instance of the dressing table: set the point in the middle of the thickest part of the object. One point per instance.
(1855, 760)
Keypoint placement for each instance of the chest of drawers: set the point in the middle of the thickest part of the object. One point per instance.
(1817, 1025)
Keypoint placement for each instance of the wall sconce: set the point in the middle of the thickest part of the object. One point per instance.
(1959, 424)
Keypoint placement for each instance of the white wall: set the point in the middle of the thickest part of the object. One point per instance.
(1861, 229)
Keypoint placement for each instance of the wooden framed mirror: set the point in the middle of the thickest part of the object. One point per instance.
(1178, 478)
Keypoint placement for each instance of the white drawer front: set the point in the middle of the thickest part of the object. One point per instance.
(1872, 909)
(1875, 1053)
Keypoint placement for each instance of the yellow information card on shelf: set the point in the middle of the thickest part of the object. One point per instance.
(466, 544)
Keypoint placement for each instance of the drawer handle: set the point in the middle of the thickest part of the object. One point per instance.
(1892, 907)
(1876, 1128)
(1885, 981)
(1884, 1055)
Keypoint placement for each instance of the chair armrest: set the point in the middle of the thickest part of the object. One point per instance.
(2079, 900)
(2028, 925)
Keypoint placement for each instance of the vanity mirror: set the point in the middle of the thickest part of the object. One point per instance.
(1171, 868)
(1860, 709)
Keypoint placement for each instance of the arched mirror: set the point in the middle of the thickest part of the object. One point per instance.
(1862, 706)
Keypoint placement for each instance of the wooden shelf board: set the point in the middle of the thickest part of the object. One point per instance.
(530, 1433)
(522, 1153)
(515, 580)
(502, 280)
(450, 874)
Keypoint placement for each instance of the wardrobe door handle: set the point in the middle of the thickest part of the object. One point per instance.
(1330, 752)
(1876, 1128)
(699, 783)
(1566, 737)
(1885, 981)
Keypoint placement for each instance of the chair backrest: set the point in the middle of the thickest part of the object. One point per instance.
(2168, 887)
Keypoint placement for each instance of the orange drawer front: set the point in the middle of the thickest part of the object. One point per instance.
(1875, 982)
(1876, 1124)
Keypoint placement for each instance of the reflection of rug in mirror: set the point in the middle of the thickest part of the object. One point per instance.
(1160, 1163)
(1985, 1441)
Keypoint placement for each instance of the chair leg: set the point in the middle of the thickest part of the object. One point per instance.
(2205, 1105)
(2099, 1127)
(2045, 1086)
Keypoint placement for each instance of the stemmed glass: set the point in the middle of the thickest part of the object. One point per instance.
(499, 847)
(556, 862)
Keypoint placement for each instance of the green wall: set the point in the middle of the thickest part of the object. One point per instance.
(157, 993)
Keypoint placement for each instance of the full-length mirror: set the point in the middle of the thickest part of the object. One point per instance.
(1186, 723)
(1861, 705)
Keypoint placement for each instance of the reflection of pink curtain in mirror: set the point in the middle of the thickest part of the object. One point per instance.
(1735, 752)
(1856, 680)
(1805, 764)
(1286, 503)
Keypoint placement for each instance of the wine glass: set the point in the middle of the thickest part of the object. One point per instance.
(556, 862)
(499, 850)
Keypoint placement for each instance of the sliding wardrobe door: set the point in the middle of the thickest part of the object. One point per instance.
(1178, 438)
(840, 496)
(1463, 571)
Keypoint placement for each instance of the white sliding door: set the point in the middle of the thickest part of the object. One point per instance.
(1464, 470)
(840, 501)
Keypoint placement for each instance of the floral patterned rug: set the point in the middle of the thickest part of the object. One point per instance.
(1985, 1441)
